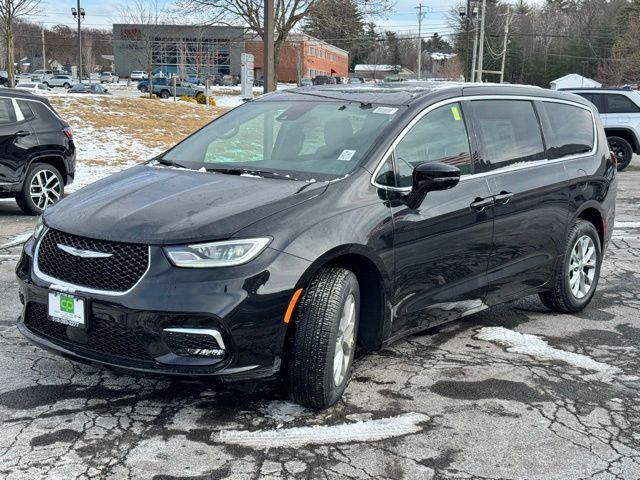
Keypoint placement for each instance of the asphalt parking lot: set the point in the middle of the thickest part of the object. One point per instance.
(545, 396)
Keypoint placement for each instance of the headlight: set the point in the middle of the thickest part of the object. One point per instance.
(38, 229)
(216, 254)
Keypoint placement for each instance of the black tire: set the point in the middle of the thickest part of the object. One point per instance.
(143, 89)
(623, 151)
(66, 85)
(165, 94)
(561, 298)
(310, 373)
(46, 84)
(24, 200)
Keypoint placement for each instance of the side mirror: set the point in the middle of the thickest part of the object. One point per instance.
(429, 177)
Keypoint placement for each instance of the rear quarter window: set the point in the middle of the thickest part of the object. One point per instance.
(568, 130)
(7, 113)
(621, 104)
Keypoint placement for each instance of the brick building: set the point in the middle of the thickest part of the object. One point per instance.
(302, 56)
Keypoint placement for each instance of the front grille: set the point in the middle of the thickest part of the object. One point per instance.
(102, 335)
(117, 273)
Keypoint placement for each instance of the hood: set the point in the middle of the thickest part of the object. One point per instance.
(163, 205)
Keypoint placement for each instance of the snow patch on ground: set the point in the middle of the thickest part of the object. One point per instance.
(17, 240)
(536, 347)
(282, 411)
(365, 431)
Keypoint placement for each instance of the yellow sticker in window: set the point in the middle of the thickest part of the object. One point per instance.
(456, 114)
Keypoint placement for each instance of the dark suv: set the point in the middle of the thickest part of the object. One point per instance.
(302, 224)
(37, 154)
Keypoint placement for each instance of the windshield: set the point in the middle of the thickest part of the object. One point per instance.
(306, 140)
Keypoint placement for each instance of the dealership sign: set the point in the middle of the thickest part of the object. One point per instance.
(246, 75)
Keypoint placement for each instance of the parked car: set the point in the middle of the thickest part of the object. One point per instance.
(65, 81)
(33, 87)
(306, 82)
(37, 156)
(356, 80)
(620, 113)
(479, 195)
(182, 89)
(230, 80)
(108, 77)
(90, 88)
(22, 77)
(324, 80)
(143, 85)
(4, 78)
(138, 75)
(41, 75)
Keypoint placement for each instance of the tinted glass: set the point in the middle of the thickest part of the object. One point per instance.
(27, 113)
(621, 104)
(570, 130)
(439, 136)
(302, 139)
(509, 133)
(386, 175)
(7, 113)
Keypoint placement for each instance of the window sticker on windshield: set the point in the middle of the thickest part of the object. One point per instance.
(346, 155)
(455, 113)
(385, 110)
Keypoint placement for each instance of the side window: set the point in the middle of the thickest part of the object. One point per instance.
(570, 130)
(386, 174)
(509, 133)
(7, 112)
(621, 104)
(439, 136)
(27, 113)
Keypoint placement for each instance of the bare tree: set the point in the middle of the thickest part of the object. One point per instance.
(10, 11)
(288, 15)
(144, 38)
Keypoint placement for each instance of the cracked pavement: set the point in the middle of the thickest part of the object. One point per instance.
(471, 408)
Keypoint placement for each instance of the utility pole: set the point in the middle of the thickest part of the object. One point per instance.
(269, 47)
(44, 58)
(79, 14)
(481, 52)
(420, 16)
(504, 44)
(472, 78)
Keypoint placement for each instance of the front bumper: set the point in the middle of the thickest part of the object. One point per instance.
(241, 307)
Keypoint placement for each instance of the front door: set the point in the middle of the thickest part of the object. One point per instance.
(442, 246)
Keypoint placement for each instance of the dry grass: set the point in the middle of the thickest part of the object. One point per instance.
(152, 122)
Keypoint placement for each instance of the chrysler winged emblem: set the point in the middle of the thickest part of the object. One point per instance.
(83, 253)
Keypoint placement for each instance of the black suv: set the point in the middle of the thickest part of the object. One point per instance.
(303, 223)
(37, 154)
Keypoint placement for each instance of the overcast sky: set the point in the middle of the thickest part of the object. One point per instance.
(101, 14)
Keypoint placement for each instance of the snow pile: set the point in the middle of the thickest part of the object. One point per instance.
(536, 347)
(365, 431)
(17, 240)
(282, 411)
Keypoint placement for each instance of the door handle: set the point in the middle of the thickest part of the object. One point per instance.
(22, 133)
(481, 203)
(503, 197)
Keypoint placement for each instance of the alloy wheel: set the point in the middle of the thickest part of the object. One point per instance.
(582, 267)
(618, 151)
(45, 189)
(345, 340)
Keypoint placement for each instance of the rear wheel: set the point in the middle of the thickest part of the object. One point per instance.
(623, 151)
(43, 186)
(324, 340)
(46, 84)
(143, 89)
(165, 94)
(67, 86)
(576, 280)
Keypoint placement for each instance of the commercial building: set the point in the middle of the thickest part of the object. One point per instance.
(177, 49)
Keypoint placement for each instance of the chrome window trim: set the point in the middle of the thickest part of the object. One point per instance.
(509, 168)
(200, 331)
(57, 284)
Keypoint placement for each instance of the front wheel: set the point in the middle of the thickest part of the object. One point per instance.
(576, 280)
(165, 94)
(67, 86)
(622, 150)
(324, 338)
(43, 186)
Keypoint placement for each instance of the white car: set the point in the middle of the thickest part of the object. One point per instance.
(33, 87)
(41, 75)
(22, 77)
(65, 81)
(138, 75)
(108, 77)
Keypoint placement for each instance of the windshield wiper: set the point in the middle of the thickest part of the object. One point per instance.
(168, 163)
(247, 171)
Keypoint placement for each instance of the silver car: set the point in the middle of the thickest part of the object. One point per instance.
(65, 81)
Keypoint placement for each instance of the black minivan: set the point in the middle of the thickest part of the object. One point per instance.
(304, 224)
(37, 152)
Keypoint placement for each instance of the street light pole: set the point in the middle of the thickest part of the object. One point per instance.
(269, 48)
(79, 14)
(420, 7)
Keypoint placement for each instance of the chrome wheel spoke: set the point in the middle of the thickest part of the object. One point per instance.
(45, 189)
(344, 340)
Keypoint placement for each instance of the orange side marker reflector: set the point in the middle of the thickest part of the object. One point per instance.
(292, 305)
